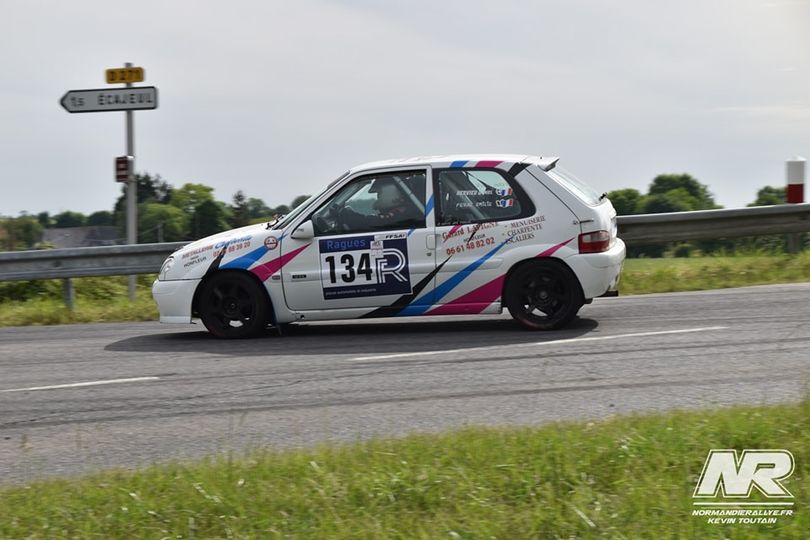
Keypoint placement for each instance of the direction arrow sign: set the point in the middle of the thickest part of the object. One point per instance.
(104, 99)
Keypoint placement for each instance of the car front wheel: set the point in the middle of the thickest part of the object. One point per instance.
(543, 295)
(233, 305)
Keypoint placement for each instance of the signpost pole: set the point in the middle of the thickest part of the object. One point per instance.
(132, 193)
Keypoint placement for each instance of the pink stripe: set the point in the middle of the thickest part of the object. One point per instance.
(478, 299)
(264, 271)
(488, 163)
(550, 251)
(454, 229)
(483, 296)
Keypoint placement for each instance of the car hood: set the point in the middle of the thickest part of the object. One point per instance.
(224, 238)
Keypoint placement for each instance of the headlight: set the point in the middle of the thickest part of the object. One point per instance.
(167, 265)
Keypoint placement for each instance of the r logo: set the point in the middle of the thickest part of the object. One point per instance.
(734, 477)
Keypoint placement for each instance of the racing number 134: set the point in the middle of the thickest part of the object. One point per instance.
(350, 273)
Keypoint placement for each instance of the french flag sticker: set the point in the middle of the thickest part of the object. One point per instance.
(504, 203)
(504, 192)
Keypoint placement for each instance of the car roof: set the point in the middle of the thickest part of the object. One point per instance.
(458, 160)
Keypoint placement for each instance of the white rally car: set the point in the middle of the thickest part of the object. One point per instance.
(424, 236)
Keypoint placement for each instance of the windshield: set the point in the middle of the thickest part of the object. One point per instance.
(583, 191)
(283, 222)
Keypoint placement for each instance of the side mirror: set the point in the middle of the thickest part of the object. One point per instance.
(305, 231)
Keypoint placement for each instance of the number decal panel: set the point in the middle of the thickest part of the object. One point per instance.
(368, 265)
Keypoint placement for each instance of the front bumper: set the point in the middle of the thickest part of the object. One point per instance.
(599, 272)
(174, 299)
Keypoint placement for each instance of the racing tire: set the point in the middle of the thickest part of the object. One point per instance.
(234, 305)
(543, 295)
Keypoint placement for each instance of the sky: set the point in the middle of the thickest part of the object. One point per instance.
(277, 98)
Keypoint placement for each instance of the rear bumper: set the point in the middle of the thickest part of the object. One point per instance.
(599, 273)
(174, 299)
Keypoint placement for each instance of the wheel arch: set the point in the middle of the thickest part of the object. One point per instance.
(201, 286)
(533, 260)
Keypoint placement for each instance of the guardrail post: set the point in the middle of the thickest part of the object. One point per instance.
(69, 294)
(794, 195)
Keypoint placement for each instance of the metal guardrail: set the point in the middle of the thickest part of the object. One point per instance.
(85, 262)
(714, 224)
(634, 230)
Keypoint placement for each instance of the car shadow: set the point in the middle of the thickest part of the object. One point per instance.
(355, 338)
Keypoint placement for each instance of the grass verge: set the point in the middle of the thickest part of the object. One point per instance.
(641, 276)
(628, 477)
(105, 299)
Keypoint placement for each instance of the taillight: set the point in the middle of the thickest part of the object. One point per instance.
(594, 242)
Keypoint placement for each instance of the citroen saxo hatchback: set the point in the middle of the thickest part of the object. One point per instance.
(446, 235)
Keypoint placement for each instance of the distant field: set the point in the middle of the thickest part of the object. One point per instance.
(628, 477)
(105, 299)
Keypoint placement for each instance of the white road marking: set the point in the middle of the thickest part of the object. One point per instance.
(537, 344)
(82, 384)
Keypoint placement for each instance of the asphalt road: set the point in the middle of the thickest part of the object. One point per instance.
(175, 393)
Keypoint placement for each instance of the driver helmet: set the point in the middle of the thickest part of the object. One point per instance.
(388, 197)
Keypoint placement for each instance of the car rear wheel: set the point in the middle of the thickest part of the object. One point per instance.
(233, 305)
(543, 295)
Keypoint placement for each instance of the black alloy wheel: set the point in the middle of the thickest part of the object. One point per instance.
(234, 305)
(543, 295)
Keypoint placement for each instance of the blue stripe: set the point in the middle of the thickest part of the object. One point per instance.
(457, 164)
(246, 260)
(429, 206)
(411, 232)
(444, 289)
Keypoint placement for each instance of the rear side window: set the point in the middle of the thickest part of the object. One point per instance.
(583, 191)
(477, 196)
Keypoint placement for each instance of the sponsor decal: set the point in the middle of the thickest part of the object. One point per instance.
(195, 252)
(391, 236)
(505, 203)
(245, 240)
(271, 243)
(196, 259)
(744, 489)
(364, 266)
(507, 192)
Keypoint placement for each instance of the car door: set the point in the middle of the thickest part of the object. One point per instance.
(477, 210)
(367, 246)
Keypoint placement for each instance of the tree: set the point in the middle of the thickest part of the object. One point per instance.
(188, 197)
(769, 196)
(23, 232)
(69, 219)
(626, 201)
(44, 219)
(240, 212)
(298, 200)
(701, 198)
(208, 218)
(257, 209)
(161, 223)
(100, 218)
(674, 200)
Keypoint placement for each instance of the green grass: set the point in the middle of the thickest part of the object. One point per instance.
(97, 300)
(628, 477)
(641, 276)
(105, 299)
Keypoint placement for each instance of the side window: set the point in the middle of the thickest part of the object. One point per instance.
(471, 196)
(376, 202)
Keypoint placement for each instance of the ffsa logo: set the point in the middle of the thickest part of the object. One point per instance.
(729, 476)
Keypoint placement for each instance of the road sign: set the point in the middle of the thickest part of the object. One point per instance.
(124, 75)
(116, 99)
(123, 168)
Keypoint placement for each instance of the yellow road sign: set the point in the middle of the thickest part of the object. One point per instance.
(124, 75)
